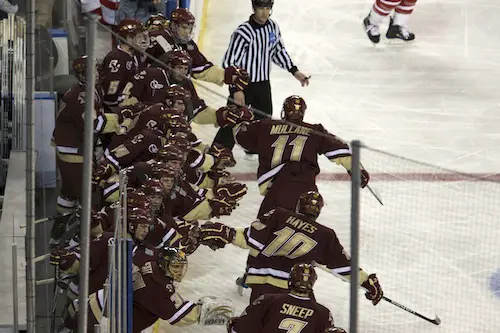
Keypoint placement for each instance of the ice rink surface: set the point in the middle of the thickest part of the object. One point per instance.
(435, 244)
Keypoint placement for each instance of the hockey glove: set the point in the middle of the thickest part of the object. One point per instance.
(102, 172)
(62, 258)
(216, 235)
(223, 156)
(365, 177)
(374, 292)
(221, 206)
(231, 191)
(236, 76)
(220, 177)
(190, 238)
(231, 115)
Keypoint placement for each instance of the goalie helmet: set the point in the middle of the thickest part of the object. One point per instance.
(262, 3)
(302, 278)
(182, 24)
(156, 22)
(294, 108)
(310, 204)
(173, 262)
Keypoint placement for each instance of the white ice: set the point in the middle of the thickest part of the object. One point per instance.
(434, 245)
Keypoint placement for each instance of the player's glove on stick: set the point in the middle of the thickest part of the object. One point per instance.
(374, 292)
(216, 235)
(231, 115)
(223, 156)
(365, 177)
(236, 76)
(62, 258)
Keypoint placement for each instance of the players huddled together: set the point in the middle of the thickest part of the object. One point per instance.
(142, 114)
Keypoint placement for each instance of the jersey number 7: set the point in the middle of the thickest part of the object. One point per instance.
(291, 325)
(289, 243)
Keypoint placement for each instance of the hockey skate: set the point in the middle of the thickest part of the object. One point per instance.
(397, 34)
(240, 283)
(372, 30)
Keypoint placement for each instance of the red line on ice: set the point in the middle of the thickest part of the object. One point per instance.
(417, 177)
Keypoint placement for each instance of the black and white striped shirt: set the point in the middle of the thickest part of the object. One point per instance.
(254, 46)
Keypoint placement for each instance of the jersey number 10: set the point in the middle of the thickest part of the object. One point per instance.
(280, 144)
(289, 243)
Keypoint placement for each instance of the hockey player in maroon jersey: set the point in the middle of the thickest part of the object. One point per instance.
(292, 312)
(139, 222)
(149, 85)
(398, 26)
(155, 296)
(288, 154)
(281, 238)
(179, 35)
(67, 138)
(122, 63)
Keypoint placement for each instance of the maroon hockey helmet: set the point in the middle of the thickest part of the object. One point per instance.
(80, 69)
(136, 198)
(175, 94)
(302, 278)
(157, 22)
(178, 64)
(139, 215)
(161, 170)
(182, 23)
(294, 108)
(180, 140)
(182, 16)
(152, 186)
(310, 204)
(170, 152)
(134, 33)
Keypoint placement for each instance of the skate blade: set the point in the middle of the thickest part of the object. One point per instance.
(366, 35)
(241, 290)
(397, 41)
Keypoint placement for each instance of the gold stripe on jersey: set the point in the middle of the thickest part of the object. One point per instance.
(95, 307)
(201, 211)
(271, 280)
(213, 74)
(206, 116)
(70, 158)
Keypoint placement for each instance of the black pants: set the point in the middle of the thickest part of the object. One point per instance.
(258, 96)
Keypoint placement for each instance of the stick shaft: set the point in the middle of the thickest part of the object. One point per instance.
(435, 321)
(375, 195)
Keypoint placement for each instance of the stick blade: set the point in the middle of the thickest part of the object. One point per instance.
(436, 321)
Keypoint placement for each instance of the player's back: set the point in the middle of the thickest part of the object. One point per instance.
(279, 143)
(279, 313)
(287, 238)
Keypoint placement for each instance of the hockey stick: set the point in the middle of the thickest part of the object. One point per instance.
(435, 321)
(374, 194)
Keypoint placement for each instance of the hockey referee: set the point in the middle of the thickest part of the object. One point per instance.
(253, 45)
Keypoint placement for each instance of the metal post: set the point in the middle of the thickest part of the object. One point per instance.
(355, 185)
(15, 300)
(88, 150)
(30, 167)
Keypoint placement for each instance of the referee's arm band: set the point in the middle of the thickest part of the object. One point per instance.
(293, 70)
